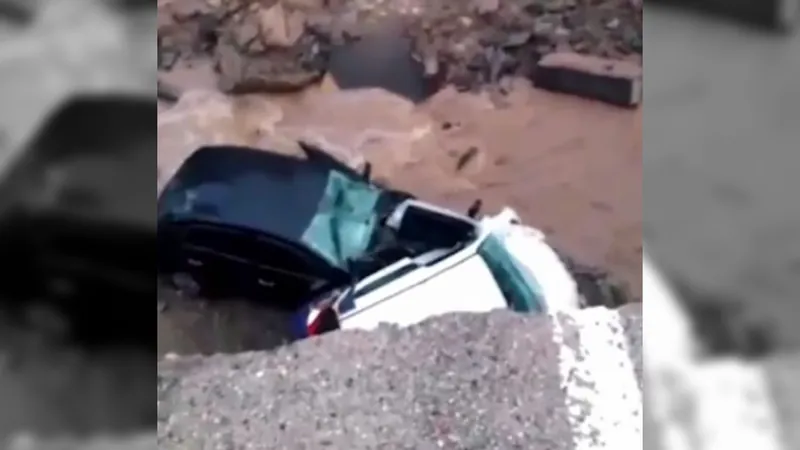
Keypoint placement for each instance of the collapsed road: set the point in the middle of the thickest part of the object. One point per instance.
(499, 380)
(457, 118)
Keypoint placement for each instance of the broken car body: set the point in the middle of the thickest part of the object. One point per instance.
(308, 234)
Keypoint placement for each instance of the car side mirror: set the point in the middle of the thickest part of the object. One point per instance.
(367, 172)
(475, 209)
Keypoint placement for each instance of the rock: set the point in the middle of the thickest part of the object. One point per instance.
(242, 70)
(486, 6)
(328, 84)
(305, 5)
(167, 91)
(286, 58)
(184, 10)
(244, 35)
(615, 82)
(517, 39)
(279, 27)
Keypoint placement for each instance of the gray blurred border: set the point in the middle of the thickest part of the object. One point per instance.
(71, 47)
(721, 151)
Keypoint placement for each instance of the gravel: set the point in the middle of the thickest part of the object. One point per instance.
(500, 380)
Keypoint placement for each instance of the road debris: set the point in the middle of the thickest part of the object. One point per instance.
(287, 45)
(614, 82)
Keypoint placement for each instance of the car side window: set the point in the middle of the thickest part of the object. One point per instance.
(521, 291)
(250, 248)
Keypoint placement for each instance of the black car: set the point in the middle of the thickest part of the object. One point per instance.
(238, 222)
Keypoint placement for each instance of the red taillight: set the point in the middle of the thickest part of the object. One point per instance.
(321, 321)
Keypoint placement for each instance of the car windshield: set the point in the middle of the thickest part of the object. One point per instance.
(520, 289)
(345, 220)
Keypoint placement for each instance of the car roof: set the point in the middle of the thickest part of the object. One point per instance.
(285, 197)
(246, 187)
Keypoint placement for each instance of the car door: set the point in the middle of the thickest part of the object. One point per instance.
(229, 262)
(217, 259)
(284, 275)
(412, 291)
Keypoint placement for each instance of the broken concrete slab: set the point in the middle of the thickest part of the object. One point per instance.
(610, 81)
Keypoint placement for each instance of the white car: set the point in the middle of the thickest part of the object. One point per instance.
(507, 265)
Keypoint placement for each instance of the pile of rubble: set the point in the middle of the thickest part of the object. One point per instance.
(286, 45)
(499, 380)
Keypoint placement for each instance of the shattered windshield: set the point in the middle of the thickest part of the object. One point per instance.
(345, 221)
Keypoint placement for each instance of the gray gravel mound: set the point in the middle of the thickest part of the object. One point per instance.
(499, 380)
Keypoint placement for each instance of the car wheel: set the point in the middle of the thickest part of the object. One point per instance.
(186, 285)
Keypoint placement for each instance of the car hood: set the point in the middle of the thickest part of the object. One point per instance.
(331, 213)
